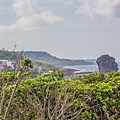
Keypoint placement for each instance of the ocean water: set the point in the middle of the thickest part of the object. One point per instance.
(84, 68)
(87, 68)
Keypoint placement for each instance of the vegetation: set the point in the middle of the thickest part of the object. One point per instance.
(16, 56)
(6, 55)
(45, 57)
(94, 97)
(45, 67)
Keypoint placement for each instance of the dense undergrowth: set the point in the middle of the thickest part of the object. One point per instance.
(94, 97)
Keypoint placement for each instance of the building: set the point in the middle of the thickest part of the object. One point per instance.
(37, 69)
(5, 64)
(71, 74)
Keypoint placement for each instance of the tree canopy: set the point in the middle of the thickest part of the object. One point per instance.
(94, 97)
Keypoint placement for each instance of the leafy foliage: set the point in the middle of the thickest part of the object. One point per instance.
(16, 56)
(45, 67)
(96, 96)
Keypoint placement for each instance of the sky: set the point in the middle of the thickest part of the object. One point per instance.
(75, 29)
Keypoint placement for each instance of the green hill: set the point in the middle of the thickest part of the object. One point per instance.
(42, 57)
(52, 60)
(7, 55)
(12, 56)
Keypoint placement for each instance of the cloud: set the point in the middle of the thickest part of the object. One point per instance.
(28, 19)
(100, 8)
(65, 2)
(95, 8)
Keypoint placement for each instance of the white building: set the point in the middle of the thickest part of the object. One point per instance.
(37, 69)
(5, 64)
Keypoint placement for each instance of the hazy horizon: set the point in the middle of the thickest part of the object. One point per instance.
(73, 29)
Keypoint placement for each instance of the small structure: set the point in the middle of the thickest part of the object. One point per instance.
(5, 64)
(48, 73)
(37, 70)
(71, 73)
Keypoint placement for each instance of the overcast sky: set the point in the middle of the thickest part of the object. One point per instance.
(64, 28)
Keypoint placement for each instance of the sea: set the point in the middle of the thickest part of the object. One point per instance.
(87, 68)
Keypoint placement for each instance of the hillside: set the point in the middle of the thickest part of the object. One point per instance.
(91, 60)
(7, 55)
(11, 56)
(45, 67)
(52, 60)
(44, 57)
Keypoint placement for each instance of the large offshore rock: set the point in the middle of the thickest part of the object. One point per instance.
(106, 64)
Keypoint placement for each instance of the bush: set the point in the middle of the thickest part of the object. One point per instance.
(97, 96)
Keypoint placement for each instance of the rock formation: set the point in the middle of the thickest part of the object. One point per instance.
(106, 64)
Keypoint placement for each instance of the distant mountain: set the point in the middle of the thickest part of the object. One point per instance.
(13, 56)
(7, 55)
(44, 57)
(91, 60)
(41, 56)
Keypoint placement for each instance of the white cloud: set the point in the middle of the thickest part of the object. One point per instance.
(95, 8)
(102, 8)
(23, 8)
(28, 19)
